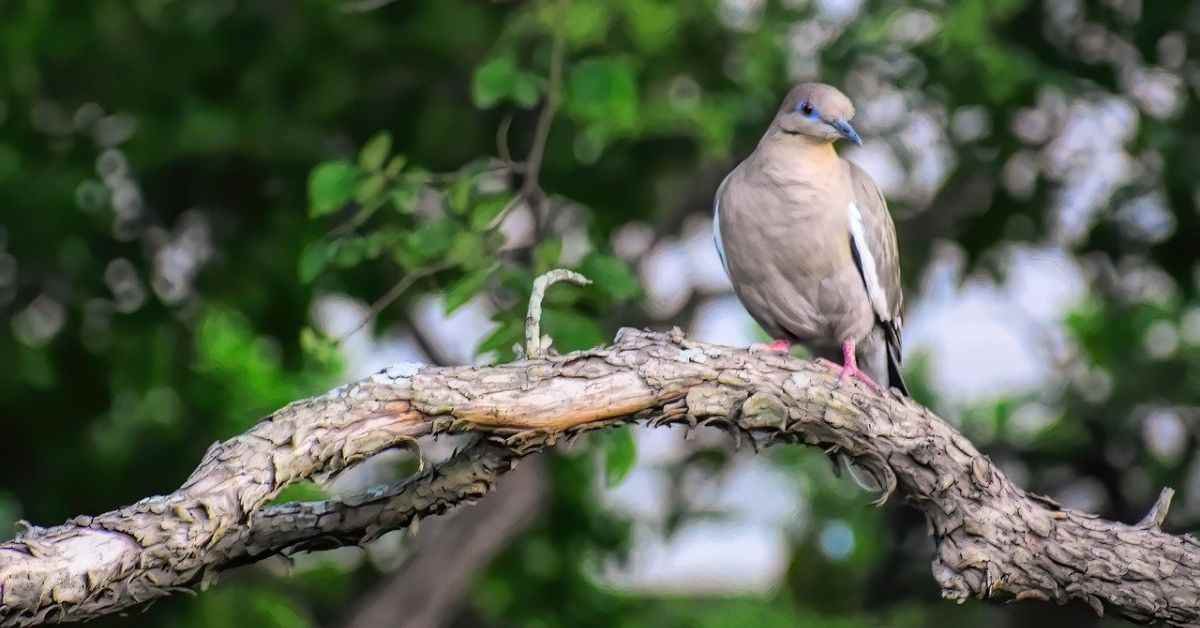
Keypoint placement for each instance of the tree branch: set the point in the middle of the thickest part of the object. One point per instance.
(311, 526)
(395, 292)
(541, 133)
(429, 589)
(536, 345)
(993, 540)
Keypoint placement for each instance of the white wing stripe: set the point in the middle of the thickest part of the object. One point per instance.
(870, 276)
(717, 227)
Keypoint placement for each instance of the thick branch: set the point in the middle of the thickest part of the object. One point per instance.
(993, 539)
(310, 526)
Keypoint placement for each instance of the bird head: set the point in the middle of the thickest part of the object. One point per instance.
(818, 112)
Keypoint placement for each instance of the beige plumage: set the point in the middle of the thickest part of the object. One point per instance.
(808, 242)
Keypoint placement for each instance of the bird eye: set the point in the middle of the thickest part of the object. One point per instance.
(806, 108)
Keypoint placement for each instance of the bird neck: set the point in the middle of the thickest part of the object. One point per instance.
(798, 159)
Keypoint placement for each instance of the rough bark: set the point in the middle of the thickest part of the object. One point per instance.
(993, 539)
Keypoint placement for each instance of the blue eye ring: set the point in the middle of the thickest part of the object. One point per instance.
(806, 108)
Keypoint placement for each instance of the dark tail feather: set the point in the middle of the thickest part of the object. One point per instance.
(895, 379)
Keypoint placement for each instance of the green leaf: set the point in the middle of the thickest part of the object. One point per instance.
(612, 275)
(509, 332)
(620, 455)
(375, 152)
(370, 188)
(394, 167)
(486, 210)
(571, 330)
(404, 197)
(519, 281)
(546, 255)
(382, 240)
(330, 186)
(526, 89)
(468, 250)
(314, 258)
(654, 25)
(351, 251)
(467, 287)
(564, 295)
(429, 242)
(604, 90)
(492, 81)
(459, 194)
(323, 350)
(501, 79)
(587, 21)
(304, 491)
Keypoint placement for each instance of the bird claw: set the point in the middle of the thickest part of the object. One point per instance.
(852, 372)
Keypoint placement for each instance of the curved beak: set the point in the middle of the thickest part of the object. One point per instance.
(846, 131)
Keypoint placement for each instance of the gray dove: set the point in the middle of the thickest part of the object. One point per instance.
(807, 241)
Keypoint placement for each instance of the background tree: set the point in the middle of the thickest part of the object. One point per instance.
(189, 190)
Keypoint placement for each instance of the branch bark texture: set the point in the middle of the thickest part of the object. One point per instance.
(993, 540)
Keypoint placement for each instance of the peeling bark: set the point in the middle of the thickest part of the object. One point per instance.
(993, 540)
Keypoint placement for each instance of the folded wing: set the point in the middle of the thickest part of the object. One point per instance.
(873, 241)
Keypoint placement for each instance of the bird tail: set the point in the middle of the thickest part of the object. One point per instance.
(895, 379)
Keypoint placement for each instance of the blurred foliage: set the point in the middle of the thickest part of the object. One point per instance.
(181, 181)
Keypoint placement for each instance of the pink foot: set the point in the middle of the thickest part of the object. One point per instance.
(850, 369)
(777, 346)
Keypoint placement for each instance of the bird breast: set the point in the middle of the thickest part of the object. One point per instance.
(787, 251)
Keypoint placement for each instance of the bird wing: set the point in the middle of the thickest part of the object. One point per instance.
(873, 237)
(873, 241)
(717, 225)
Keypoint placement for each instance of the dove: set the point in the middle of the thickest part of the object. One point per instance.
(809, 245)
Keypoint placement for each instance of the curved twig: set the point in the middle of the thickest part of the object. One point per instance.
(535, 345)
(395, 292)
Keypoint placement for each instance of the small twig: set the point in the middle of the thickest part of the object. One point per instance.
(450, 177)
(541, 132)
(531, 189)
(395, 292)
(425, 343)
(502, 139)
(535, 345)
(360, 217)
(364, 213)
(508, 207)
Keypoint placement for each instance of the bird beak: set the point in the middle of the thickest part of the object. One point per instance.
(846, 131)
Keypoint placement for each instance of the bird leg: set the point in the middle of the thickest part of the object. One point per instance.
(777, 346)
(850, 369)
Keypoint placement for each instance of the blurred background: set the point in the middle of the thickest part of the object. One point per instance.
(210, 208)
